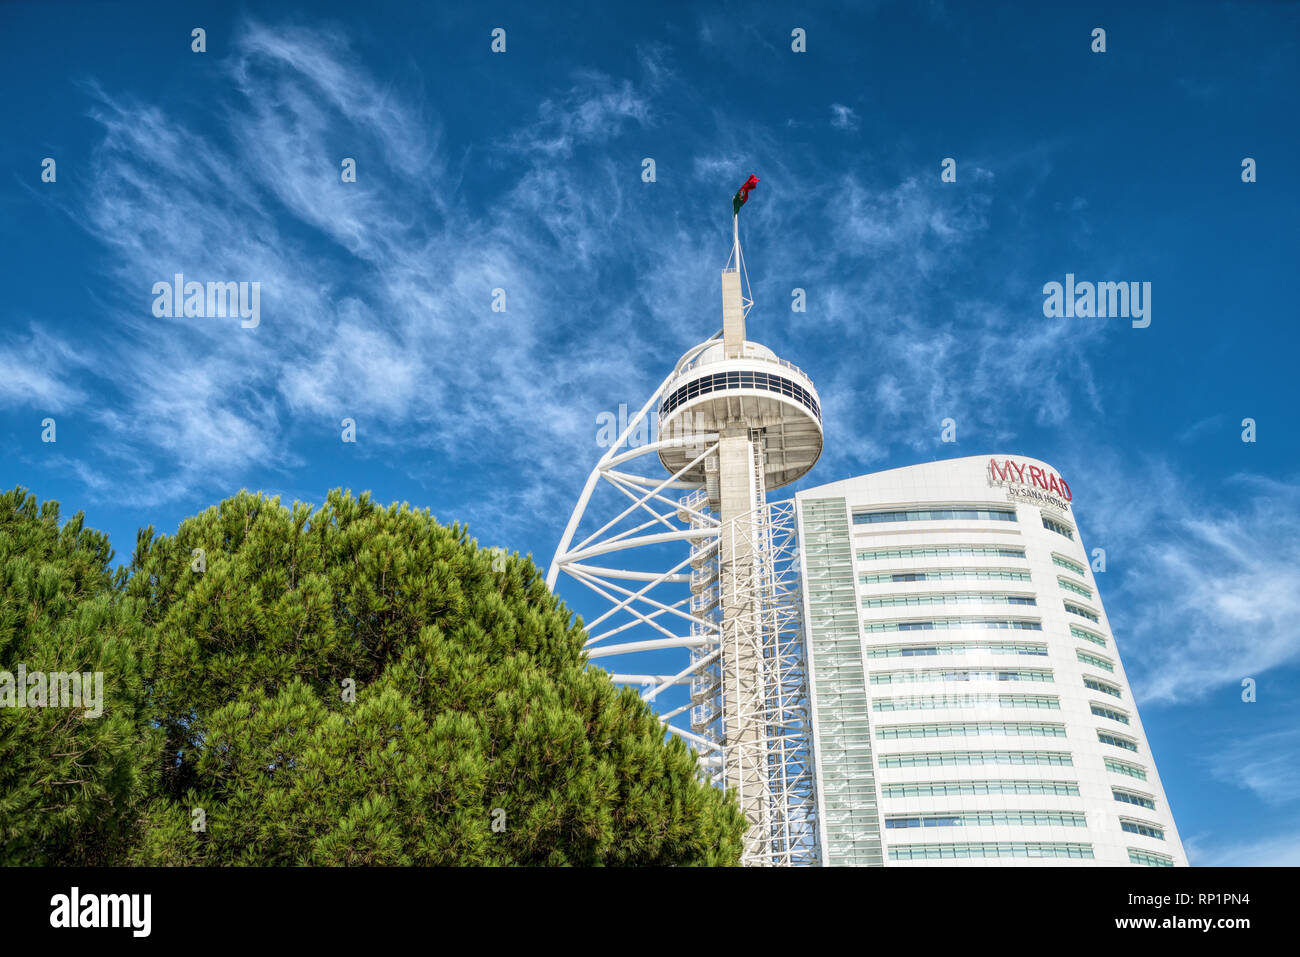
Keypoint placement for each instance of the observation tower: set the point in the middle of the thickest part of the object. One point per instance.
(697, 571)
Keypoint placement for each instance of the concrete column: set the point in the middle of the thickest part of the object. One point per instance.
(733, 316)
(741, 671)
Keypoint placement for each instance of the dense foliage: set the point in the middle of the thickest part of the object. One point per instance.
(71, 784)
(351, 685)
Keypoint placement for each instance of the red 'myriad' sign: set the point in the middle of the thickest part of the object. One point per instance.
(1012, 471)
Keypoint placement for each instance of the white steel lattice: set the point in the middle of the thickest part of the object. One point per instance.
(696, 625)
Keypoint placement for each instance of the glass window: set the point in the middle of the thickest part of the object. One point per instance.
(1087, 635)
(1091, 659)
(1064, 562)
(989, 818)
(1120, 767)
(1128, 797)
(967, 788)
(934, 759)
(950, 623)
(1149, 858)
(1058, 527)
(960, 674)
(946, 574)
(1140, 827)
(1074, 587)
(935, 514)
(936, 702)
(949, 598)
(1101, 686)
(1103, 712)
(1116, 741)
(956, 648)
(937, 551)
(988, 849)
(959, 729)
(1081, 612)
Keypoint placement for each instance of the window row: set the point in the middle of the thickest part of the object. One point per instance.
(967, 788)
(939, 701)
(1102, 711)
(1143, 828)
(1128, 797)
(950, 598)
(937, 551)
(1090, 659)
(1101, 686)
(1074, 587)
(971, 729)
(1116, 741)
(1087, 635)
(957, 648)
(935, 515)
(1149, 858)
(722, 381)
(947, 574)
(990, 819)
(963, 674)
(1119, 767)
(1081, 612)
(943, 624)
(937, 759)
(986, 849)
(1058, 527)
(1064, 562)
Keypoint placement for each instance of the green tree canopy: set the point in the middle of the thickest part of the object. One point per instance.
(71, 784)
(472, 704)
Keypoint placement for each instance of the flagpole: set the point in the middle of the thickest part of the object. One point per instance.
(735, 241)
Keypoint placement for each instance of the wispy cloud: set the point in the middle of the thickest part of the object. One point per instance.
(1264, 763)
(1210, 596)
(1275, 850)
(843, 117)
(35, 371)
(394, 327)
(1205, 426)
(377, 295)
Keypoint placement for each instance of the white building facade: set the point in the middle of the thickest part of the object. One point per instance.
(968, 701)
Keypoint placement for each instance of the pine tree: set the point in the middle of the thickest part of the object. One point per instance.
(476, 734)
(71, 783)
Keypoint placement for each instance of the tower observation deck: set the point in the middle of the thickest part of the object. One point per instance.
(697, 571)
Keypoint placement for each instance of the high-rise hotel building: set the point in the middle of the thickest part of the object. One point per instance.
(969, 705)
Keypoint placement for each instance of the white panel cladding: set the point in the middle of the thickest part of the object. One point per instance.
(966, 483)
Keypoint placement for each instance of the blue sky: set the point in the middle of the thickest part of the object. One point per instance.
(522, 171)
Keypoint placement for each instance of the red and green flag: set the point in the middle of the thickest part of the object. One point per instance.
(742, 195)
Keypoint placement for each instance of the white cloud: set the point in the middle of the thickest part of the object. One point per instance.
(376, 294)
(1278, 850)
(1264, 763)
(34, 371)
(1210, 594)
(843, 117)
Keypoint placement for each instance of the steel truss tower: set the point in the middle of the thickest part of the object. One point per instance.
(697, 572)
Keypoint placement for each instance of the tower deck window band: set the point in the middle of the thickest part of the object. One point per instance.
(723, 381)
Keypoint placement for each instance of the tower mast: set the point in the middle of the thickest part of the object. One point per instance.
(734, 422)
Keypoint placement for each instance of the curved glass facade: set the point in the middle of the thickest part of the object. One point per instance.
(1019, 748)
